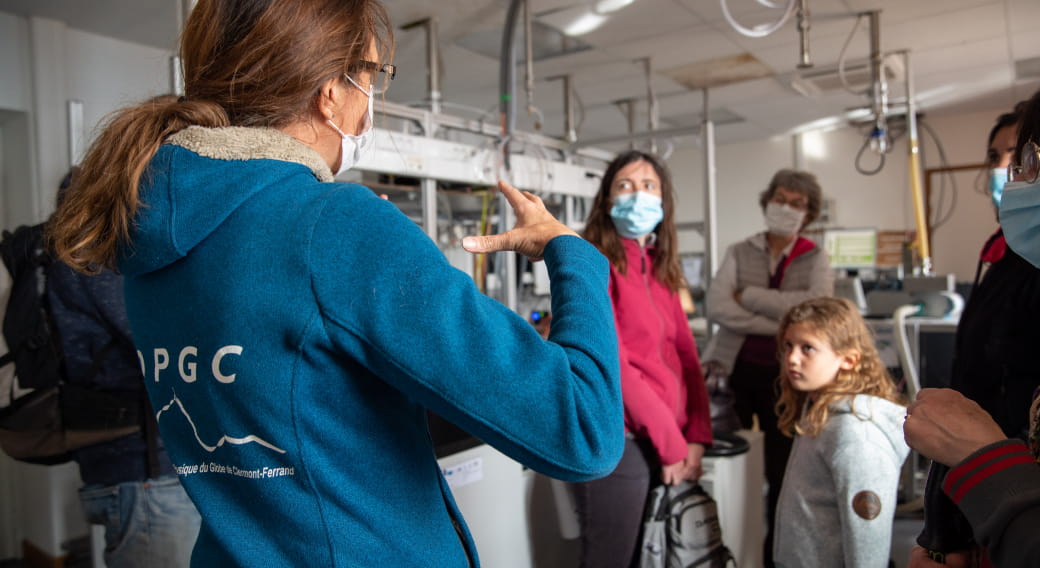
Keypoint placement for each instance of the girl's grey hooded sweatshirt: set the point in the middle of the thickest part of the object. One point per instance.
(839, 493)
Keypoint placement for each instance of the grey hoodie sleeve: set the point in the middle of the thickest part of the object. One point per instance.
(865, 471)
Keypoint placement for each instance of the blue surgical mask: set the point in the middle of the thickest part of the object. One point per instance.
(636, 214)
(997, 177)
(1020, 219)
(353, 146)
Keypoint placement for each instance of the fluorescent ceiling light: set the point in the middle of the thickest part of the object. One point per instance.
(584, 23)
(608, 6)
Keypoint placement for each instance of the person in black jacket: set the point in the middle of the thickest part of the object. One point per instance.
(129, 484)
(993, 362)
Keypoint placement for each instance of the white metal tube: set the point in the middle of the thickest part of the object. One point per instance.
(710, 199)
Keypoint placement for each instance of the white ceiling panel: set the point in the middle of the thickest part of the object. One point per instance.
(936, 90)
(979, 54)
(909, 10)
(1023, 16)
(1025, 44)
(641, 19)
(963, 55)
(757, 90)
(678, 48)
(971, 25)
(830, 27)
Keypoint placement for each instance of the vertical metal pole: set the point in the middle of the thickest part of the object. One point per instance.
(628, 108)
(710, 200)
(428, 189)
(507, 79)
(433, 63)
(798, 151)
(651, 101)
(570, 133)
(529, 59)
(878, 87)
(184, 8)
(805, 59)
(507, 106)
(176, 76)
(75, 108)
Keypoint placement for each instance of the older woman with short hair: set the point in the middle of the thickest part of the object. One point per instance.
(760, 278)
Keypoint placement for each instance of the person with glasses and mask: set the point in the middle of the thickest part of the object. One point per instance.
(999, 149)
(667, 419)
(294, 331)
(993, 361)
(760, 278)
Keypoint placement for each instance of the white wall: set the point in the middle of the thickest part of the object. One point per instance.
(880, 201)
(956, 244)
(44, 64)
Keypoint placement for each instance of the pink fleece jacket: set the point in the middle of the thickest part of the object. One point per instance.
(661, 380)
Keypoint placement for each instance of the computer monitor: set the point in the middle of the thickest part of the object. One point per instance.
(851, 249)
(693, 268)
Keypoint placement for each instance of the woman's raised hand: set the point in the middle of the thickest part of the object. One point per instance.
(534, 228)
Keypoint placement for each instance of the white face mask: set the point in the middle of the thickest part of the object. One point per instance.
(782, 220)
(353, 146)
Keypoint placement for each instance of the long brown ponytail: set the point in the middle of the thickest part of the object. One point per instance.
(96, 213)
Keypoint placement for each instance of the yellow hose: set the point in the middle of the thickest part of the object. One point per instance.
(923, 249)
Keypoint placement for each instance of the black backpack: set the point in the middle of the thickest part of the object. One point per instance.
(43, 417)
(681, 529)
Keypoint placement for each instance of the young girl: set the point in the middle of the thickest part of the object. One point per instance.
(839, 491)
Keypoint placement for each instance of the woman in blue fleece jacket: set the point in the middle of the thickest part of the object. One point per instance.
(293, 330)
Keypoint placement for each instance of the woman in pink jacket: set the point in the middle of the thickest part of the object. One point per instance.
(667, 420)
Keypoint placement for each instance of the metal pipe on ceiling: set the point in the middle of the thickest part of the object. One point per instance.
(507, 78)
(570, 132)
(507, 105)
(651, 102)
(433, 60)
(659, 133)
(804, 58)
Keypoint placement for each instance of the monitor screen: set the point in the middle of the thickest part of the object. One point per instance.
(693, 269)
(851, 248)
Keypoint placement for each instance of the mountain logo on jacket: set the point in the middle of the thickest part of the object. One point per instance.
(250, 439)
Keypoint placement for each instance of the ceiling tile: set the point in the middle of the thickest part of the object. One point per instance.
(1023, 15)
(641, 19)
(903, 10)
(971, 24)
(678, 48)
(1025, 45)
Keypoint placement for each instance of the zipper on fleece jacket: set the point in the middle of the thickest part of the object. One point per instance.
(659, 318)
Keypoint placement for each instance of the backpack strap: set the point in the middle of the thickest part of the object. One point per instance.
(151, 435)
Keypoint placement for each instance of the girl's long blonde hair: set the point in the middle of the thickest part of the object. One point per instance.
(838, 321)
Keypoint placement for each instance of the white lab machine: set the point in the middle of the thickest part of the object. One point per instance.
(737, 484)
(491, 490)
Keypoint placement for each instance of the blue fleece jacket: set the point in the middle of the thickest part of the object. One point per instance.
(293, 331)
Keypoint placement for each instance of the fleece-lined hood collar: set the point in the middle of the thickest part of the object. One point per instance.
(198, 178)
(886, 414)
